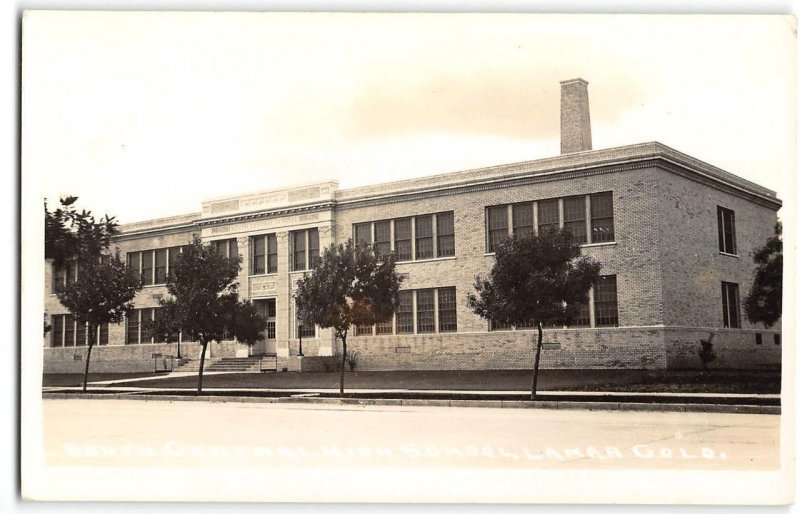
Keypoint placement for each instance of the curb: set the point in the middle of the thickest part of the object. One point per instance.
(496, 404)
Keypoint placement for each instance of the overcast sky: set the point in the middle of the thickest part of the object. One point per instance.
(146, 115)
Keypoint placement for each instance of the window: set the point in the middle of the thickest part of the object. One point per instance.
(602, 208)
(305, 248)
(57, 336)
(498, 226)
(363, 330)
(605, 302)
(161, 266)
(363, 234)
(496, 325)
(402, 239)
(447, 309)
(306, 330)
(423, 226)
(445, 235)
(147, 267)
(266, 309)
(226, 247)
(726, 226)
(405, 313)
(137, 328)
(575, 217)
(63, 275)
(425, 311)
(730, 305)
(547, 211)
(759, 339)
(384, 327)
(580, 315)
(264, 251)
(522, 215)
(383, 237)
(172, 260)
(65, 331)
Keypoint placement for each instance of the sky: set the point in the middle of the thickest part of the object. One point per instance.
(146, 115)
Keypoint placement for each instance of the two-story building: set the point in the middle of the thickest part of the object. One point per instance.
(675, 237)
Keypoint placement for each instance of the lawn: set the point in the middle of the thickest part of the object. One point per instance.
(678, 381)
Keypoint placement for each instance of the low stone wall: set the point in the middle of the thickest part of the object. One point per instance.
(735, 349)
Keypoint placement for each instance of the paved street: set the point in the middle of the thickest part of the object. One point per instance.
(133, 436)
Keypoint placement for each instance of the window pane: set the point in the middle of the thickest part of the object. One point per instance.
(424, 236)
(425, 311)
(147, 267)
(402, 239)
(272, 253)
(405, 313)
(308, 330)
(132, 328)
(727, 230)
(173, 254)
(547, 211)
(496, 325)
(363, 234)
(60, 278)
(579, 316)
(299, 245)
(522, 214)
(161, 266)
(58, 330)
(363, 330)
(103, 338)
(602, 207)
(445, 238)
(382, 237)
(447, 309)
(605, 301)
(498, 226)
(575, 218)
(133, 261)
(313, 246)
(80, 334)
(384, 327)
(69, 330)
(147, 318)
(730, 305)
(259, 255)
(233, 248)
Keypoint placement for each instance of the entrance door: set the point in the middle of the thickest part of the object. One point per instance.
(266, 309)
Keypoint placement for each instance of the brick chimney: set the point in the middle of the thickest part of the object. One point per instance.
(576, 129)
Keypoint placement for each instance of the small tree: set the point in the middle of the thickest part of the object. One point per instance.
(102, 293)
(69, 233)
(350, 285)
(706, 351)
(763, 303)
(204, 303)
(539, 279)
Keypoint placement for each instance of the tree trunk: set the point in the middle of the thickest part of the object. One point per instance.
(86, 366)
(344, 360)
(179, 347)
(536, 360)
(202, 363)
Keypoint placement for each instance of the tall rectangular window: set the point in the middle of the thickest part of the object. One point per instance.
(227, 247)
(259, 258)
(57, 330)
(425, 311)
(522, 215)
(306, 330)
(161, 266)
(134, 261)
(147, 267)
(80, 334)
(575, 218)
(447, 309)
(69, 330)
(605, 301)
(726, 226)
(402, 239)
(299, 246)
(445, 235)
(405, 313)
(172, 260)
(103, 335)
(313, 246)
(382, 243)
(602, 208)
(579, 315)
(132, 327)
(272, 253)
(362, 234)
(144, 326)
(547, 211)
(60, 274)
(730, 305)
(424, 236)
(497, 226)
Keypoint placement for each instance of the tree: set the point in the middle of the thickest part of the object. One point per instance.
(350, 285)
(204, 304)
(539, 279)
(103, 293)
(69, 233)
(706, 352)
(763, 303)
